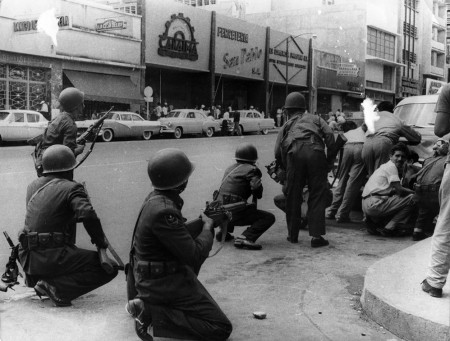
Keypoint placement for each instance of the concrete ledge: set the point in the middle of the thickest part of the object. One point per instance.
(392, 296)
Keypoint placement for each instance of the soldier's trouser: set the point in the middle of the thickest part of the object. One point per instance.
(182, 308)
(306, 164)
(375, 152)
(428, 209)
(258, 220)
(79, 273)
(440, 242)
(397, 208)
(351, 178)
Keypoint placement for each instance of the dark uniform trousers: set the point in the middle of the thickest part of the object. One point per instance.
(259, 222)
(72, 271)
(306, 164)
(165, 260)
(428, 202)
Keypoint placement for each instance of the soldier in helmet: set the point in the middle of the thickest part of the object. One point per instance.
(167, 260)
(300, 149)
(62, 129)
(53, 265)
(240, 181)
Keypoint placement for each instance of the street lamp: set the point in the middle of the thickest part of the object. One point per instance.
(309, 75)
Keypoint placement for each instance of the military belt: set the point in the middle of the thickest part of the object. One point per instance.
(426, 188)
(50, 240)
(153, 270)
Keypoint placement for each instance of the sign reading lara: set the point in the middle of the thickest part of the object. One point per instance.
(178, 40)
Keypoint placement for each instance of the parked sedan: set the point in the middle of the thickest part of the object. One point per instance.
(21, 125)
(252, 121)
(188, 121)
(123, 124)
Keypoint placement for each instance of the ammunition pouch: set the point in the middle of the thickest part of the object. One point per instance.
(154, 270)
(50, 240)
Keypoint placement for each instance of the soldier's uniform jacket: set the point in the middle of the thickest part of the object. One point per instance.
(306, 127)
(61, 130)
(239, 182)
(166, 257)
(54, 205)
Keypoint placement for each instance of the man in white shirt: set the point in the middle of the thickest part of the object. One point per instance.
(384, 198)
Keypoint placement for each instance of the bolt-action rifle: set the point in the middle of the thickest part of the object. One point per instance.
(12, 270)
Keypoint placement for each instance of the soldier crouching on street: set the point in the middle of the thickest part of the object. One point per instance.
(62, 129)
(52, 263)
(167, 260)
(240, 181)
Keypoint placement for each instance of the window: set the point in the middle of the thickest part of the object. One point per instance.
(190, 115)
(137, 118)
(32, 118)
(18, 117)
(380, 44)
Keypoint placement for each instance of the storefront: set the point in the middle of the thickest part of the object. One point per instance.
(84, 53)
(339, 83)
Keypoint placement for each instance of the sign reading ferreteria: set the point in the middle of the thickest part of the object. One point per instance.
(178, 39)
(232, 35)
(110, 24)
(31, 25)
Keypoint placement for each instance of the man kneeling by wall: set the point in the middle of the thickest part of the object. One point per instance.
(384, 198)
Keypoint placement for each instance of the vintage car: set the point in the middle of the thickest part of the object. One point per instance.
(252, 121)
(123, 124)
(188, 121)
(21, 125)
(419, 112)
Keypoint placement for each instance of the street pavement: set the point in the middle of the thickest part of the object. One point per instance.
(307, 294)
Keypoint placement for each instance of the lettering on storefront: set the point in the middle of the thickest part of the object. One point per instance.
(355, 86)
(245, 56)
(178, 39)
(232, 35)
(348, 69)
(31, 25)
(282, 53)
(111, 24)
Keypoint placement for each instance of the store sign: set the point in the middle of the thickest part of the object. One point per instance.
(178, 39)
(31, 25)
(433, 86)
(110, 24)
(348, 69)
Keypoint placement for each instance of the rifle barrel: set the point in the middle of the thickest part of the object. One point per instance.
(10, 242)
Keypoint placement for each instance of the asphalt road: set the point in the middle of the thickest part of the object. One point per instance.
(308, 294)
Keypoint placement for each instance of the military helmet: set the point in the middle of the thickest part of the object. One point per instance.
(246, 152)
(71, 98)
(295, 100)
(169, 168)
(58, 158)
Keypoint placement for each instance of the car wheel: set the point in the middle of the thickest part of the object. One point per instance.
(209, 132)
(108, 135)
(178, 133)
(147, 135)
(265, 131)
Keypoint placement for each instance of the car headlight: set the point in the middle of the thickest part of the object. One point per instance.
(169, 124)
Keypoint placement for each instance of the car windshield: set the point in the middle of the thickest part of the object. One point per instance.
(3, 115)
(174, 114)
(418, 114)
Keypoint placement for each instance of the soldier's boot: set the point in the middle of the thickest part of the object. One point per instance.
(136, 309)
(42, 288)
(293, 235)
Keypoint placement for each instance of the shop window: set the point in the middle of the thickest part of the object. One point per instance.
(37, 95)
(2, 94)
(37, 75)
(18, 95)
(2, 71)
(17, 72)
(380, 44)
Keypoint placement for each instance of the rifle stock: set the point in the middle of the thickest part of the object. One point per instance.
(90, 131)
(333, 152)
(218, 213)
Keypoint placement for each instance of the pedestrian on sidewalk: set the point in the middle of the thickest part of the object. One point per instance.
(440, 243)
(240, 181)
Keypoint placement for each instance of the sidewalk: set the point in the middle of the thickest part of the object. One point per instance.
(393, 297)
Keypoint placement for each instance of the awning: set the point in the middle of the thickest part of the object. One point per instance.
(105, 88)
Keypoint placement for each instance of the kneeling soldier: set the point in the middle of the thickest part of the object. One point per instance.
(240, 181)
(167, 260)
(52, 263)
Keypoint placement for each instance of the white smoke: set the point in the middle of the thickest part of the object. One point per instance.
(370, 115)
(48, 23)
